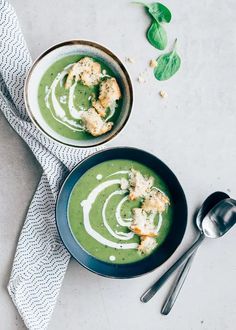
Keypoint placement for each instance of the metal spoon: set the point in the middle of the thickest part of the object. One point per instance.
(207, 205)
(215, 224)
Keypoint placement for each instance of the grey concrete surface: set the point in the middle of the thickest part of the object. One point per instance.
(193, 131)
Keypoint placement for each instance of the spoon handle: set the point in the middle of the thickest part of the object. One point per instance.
(147, 295)
(175, 290)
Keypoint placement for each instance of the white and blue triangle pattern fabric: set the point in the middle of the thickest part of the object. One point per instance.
(41, 260)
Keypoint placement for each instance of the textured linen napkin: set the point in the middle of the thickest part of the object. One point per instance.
(41, 260)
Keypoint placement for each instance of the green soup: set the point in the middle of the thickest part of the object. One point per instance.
(99, 210)
(59, 107)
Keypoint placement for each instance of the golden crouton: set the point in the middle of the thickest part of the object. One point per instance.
(85, 70)
(147, 244)
(109, 92)
(153, 64)
(163, 94)
(94, 123)
(97, 105)
(141, 225)
(156, 201)
(139, 185)
(91, 75)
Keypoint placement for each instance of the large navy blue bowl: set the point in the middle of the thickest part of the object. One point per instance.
(159, 256)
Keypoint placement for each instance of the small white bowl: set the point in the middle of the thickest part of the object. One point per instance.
(80, 47)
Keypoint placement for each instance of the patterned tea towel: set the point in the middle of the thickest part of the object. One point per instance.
(41, 260)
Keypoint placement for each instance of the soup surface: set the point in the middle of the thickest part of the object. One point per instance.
(61, 107)
(100, 212)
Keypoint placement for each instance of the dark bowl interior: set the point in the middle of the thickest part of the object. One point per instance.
(160, 255)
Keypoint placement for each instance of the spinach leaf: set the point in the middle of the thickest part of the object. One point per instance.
(159, 12)
(157, 36)
(167, 64)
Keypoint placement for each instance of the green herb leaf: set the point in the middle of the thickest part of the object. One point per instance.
(159, 12)
(167, 64)
(157, 36)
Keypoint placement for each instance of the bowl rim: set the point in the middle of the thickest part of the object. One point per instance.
(185, 215)
(91, 44)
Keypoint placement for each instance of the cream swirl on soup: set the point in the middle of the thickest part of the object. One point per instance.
(79, 96)
(102, 221)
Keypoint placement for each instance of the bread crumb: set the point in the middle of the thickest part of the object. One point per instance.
(141, 79)
(153, 64)
(130, 60)
(163, 94)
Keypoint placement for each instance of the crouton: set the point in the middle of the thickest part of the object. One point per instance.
(141, 225)
(94, 124)
(163, 94)
(109, 92)
(91, 75)
(153, 64)
(124, 184)
(139, 185)
(85, 70)
(147, 244)
(97, 105)
(156, 201)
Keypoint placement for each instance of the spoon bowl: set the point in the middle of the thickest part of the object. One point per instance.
(220, 218)
(211, 201)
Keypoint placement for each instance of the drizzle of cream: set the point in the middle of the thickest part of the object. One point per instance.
(99, 177)
(63, 99)
(76, 114)
(116, 234)
(122, 222)
(160, 219)
(104, 74)
(87, 205)
(57, 111)
(66, 68)
(118, 172)
(112, 111)
(47, 94)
